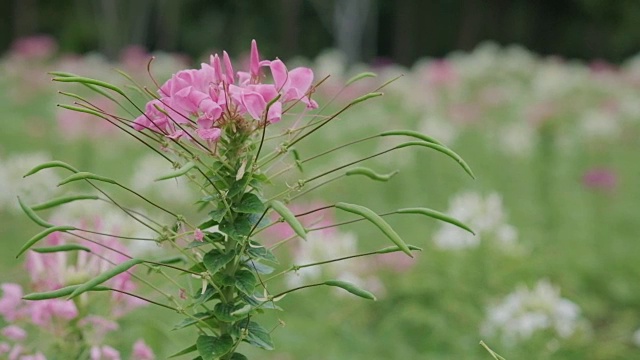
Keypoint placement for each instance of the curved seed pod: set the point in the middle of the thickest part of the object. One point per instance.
(59, 248)
(86, 176)
(59, 293)
(290, 218)
(351, 288)
(413, 134)
(83, 110)
(370, 174)
(62, 200)
(450, 153)
(296, 157)
(365, 97)
(360, 76)
(183, 170)
(33, 216)
(390, 249)
(51, 164)
(172, 260)
(377, 221)
(436, 215)
(41, 235)
(89, 81)
(89, 285)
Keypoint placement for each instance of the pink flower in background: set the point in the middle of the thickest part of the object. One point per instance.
(14, 333)
(104, 352)
(600, 178)
(397, 261)
(441, 73)
(141, 351)
(11, 301)
(198, 235)
(77, 125)
(34, 47)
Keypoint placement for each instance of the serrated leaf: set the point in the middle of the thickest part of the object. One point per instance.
(258, 251)
(245, 282)
(190, 321)
(250, 204)
(190, 349)
(256, 335)
(215, 260)
(212, 347)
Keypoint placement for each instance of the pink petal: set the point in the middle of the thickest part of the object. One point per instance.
(279, 72)
(217, 68)
(255, 104)
(227, 67)
(209, 134)
(254, 63)
(275, 112)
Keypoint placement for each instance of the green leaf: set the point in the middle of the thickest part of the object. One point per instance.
(256, 334)
(258, 267)
(215, 260)
(41, 235)
(221, 279)
(201, 298)
(258, 251)
(377, 221)
(239, 186)
(61, 248)
(351, 288)
(207, 224)
(190, 349)
(217, 215)
(190, 321)
(250, 204)
(116, 270)
(240, 228)
(245, 282)
(238, 356)
(290, 218)
(213, 347)
(223, 312)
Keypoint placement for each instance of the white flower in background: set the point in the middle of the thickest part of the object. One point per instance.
(517, 138)
(438, 128)
(485, 215)
(151, 167)
(636, 338)
(34, 189)
(524, 312)
(600, 125)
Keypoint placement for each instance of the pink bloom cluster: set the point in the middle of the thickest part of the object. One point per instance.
(199, 102)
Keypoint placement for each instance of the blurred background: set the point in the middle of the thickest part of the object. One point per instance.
(542, 99)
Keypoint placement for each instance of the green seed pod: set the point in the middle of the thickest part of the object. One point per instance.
(62, 200)
(413, 134)
(450, 153)
(370, 174)
(83, 110)
(365, 97)
(360, 77)
(88, 81)
(290, 218)
(59, 293)
(41, 235)
(436, 215)
(351, 288)
(33, 216)
(89, 285)
(390, 249)
(61, 248)
(183, 170)
(51, 164)
(377, 221)
(86, 176)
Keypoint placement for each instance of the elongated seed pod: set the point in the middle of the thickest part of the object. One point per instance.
(86, 176)
(450, 153)
(59, 293)
(83, 110)
(290, 218)
(370, 174)
(51, 164)
(394, 248)
(61, 248)
(179, 172)
(365, 98)
(436, 215)
(351, 288)
(377, 221)
(85, 80)
(41, 235)
(119, 269)
(360, 76)
(33, 216)
(413, 134)
(62, 200)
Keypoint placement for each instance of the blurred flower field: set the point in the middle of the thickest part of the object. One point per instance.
(551, 273)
